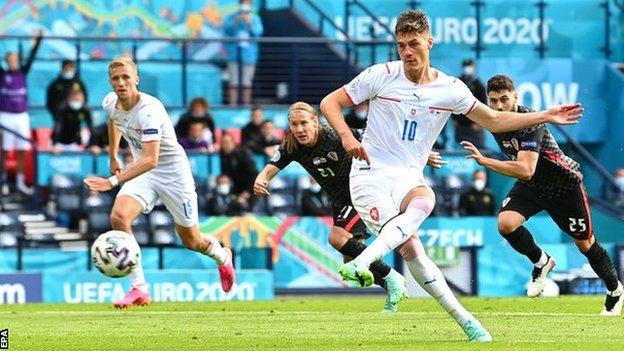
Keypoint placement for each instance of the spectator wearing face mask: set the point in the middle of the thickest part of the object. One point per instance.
(465, 129)
(198, 111)
(315, 201)
(356, 119)
(67, 134)
(60, 88)
(615, 193)
(478, 200)
(223, 202)
(198, 138)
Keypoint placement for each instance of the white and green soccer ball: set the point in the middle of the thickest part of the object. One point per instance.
(115, 253)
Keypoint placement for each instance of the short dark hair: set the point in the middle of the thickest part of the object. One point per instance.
(412, 21)
(255, 108)
(500, 83)
(66, 63)
(199, 101)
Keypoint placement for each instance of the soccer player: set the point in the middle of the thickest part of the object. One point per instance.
(410, 102)
(550, 181)
(318, 149)
(161, 171)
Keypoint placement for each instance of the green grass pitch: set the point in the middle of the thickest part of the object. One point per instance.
(313, 323)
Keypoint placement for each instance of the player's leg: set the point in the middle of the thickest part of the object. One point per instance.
(125, 210)
(232, 69)
(519, 206)
(247, 81)
(209, 245)
(413, 210)
(180, 200)
(430, 278)
(572, 214)
(22, 126)
(351, 246)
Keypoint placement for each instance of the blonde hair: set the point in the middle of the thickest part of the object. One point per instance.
(290, 142)
(123, 61)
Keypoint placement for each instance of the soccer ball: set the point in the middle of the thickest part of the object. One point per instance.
(115, 253)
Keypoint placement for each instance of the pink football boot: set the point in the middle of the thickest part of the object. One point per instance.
(226, 272)
(135, 297)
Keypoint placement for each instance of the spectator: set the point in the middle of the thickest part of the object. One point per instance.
(99, 140)
(60, 88)
(14, 109)
(465, 129)
(314, 201)
(615, 193)
(357, 117)
(67, 135)
(268, 143)
(243, 24)
(236, 162)
(223, 202)
(251, 131)
(197, 111)
(199, 138)
(478, 200)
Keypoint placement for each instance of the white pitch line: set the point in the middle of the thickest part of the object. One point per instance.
(134, 312)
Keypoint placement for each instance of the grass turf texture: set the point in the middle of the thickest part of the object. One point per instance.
(313, 323)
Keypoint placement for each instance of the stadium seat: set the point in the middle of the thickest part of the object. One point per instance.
(43, 138)
(236, 135)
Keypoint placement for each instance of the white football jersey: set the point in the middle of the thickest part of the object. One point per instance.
(405, 118)
(149, 121)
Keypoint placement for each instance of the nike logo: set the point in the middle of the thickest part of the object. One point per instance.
(418, 97)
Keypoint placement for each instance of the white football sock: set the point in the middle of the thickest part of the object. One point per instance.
(20, 179)
(216, 251)
(137, 278)
(542, 261)
(396, 231)
(431, 279)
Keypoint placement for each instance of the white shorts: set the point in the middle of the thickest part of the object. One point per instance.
(248, 72)
(377, 193)
(19, 122)
(179, 197)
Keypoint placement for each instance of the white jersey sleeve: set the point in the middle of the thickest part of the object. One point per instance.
(366, 85)
(464, 102)
(151, 119)
(108, 103)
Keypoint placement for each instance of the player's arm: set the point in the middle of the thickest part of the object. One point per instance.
(502, 121)
(522, 168)
(147, 162)
(261, 184)
(331, 107)
(114, 137)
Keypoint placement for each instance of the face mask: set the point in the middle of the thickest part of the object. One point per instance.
(469, 70)
(361, 114)
(223, 189)
(245, 8)
(315, 188)
(620, 182)
(75, 105)
(68, 75)
(478, 184)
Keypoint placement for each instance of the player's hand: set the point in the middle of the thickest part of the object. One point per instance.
(354, 148)
(435, 160)
(98, 184)
(474, 152)
(115, 166)
(261, 187)
(564, 114)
